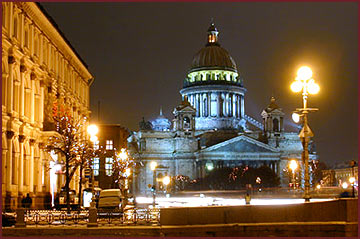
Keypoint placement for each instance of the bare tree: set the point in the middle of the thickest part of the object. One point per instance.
(68, 142)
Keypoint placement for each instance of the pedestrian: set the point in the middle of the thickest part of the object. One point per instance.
(23, 202)
(247, 198)
(27, 201)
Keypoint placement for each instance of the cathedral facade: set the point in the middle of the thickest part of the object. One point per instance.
(210, 128)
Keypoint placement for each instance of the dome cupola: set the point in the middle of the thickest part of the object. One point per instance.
(212, 64)
(213, 87)
(161, 123)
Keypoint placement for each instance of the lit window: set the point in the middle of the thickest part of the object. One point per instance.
(108, 166)
(96, 166)
(109, 144)
(96, 145)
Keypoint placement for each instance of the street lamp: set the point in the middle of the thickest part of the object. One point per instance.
(153, 166)
(293, 166)
(166, 181)
(352, 182)
(93, 130)
(307, 85)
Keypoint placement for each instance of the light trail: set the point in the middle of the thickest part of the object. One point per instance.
(163, 202)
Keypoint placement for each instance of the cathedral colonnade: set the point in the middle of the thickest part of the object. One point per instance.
(39, 68)
(217, 104)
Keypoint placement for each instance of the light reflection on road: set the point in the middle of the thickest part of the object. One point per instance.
(218, 201)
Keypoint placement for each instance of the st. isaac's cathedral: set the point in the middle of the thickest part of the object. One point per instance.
(210, 128)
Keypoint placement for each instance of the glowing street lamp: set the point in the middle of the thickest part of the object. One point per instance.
(123, 155)
(352, 182)
(307, 85)
(345, 185)
(293, 166)
(92, 131)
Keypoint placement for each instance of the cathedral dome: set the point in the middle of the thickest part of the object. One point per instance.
(161, 123)
(212, 56)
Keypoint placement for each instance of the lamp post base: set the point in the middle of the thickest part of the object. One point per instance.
(307, 198)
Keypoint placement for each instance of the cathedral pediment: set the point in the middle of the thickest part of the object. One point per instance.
(241, 144)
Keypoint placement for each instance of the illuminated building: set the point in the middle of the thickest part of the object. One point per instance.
(111, 139)
(211, 129)
(39, 68)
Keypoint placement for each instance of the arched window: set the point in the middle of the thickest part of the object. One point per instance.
(205, 107)
(276, 125)
(186, 122)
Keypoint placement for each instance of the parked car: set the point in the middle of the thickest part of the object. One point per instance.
(74, 200)
(110, 199)
(8, 219)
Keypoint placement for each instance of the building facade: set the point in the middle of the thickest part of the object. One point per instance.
(210, 127)
(39, 68)
(111, 139)
(337, 176)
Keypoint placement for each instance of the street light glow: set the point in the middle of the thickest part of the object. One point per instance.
(93, 138)
(352, 180)
(295, 117)
(128, 172)
(345, 185)
(293, 165)
(312, 87)
(123, 155)
(92, 129)
(153, 165)
(166, 180)
(296, 86)
(304, 73)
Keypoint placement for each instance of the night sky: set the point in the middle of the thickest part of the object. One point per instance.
(139, 54)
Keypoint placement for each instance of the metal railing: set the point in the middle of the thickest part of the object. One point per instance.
(56, 217)
(103, 217)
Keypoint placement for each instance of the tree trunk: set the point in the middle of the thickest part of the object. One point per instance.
(80, 185)
(67, 185)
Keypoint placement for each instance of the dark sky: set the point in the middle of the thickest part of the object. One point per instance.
(139, 54)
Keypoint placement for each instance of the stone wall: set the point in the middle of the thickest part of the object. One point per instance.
(344, 210)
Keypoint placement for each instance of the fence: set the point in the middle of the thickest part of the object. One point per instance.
(92, 217)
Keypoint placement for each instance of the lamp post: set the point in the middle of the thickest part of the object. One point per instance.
(307, 85)
(92, 130)
(153, 166)
(293, 166)
(352, 182)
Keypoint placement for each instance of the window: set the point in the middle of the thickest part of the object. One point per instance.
(213, 105)
(108, 166)
(186, 122)
(96, 166)
(109, 144)
(96, 145)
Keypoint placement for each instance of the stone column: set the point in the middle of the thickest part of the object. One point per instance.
(224, 104)
(197, 105)
(31, 167)
(21, 167)
(233, 105)
(208, 95)
(242, 106)
(10, 86)
(32, 100)
(201, 113)
(9, 159)
(218, 99)
(22, 90)
(4, 166)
